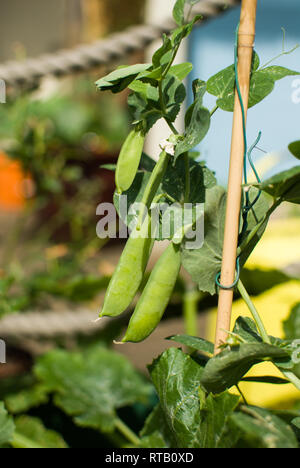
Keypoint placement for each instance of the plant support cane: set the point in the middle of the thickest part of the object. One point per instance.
(235, 180)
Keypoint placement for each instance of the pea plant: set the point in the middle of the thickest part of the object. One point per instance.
(196, 408)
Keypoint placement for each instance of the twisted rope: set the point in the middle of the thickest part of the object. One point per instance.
(49, 324)
(101, 52)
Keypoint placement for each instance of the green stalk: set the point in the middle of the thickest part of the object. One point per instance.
(187, 178)
(127, 432)
(153, 185)
(190, 310)
(259, 323)
(292, 378)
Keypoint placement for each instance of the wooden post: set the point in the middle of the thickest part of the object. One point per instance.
(245, 53)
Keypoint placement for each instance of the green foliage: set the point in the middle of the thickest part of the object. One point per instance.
(90, 386)
(32, 431)
(295, 149)
(262, 429)
(7, 427)
(222, 85)
(284, 186)
(292, 324)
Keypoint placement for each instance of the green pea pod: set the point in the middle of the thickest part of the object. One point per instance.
(129, 159)
(155, 297)
(129, 273)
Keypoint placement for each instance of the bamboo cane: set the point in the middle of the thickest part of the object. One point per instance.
(235, 180)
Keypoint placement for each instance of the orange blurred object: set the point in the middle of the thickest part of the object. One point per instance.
(12, 184)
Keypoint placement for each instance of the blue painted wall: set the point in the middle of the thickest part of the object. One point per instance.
(211, 49)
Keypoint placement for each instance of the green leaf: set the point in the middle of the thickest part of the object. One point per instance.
(119, 79)
(295, 149)
(32, 429)
(197, 121)
(182, 70)
(285, 185)
(176, 378)
(291, 326)
(156, 431)
(26, 399)
(262, 429)
(204, 264)
(178, 12)
(158, 56)
(246, 329)
(144, 110)
(174, 94)
(222, 85)
(7, 427)
(215, 413)
(278, 73)
(212, 415)
(90, 386)
(296, 422)
(199, 344)
(227, 368)
(147, 91)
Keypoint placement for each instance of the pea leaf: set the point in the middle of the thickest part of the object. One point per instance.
(222, 85)
(262, 429)
(176, 378)
(285, 185)
(7, 427)
(156, 431)
(227, 368)
(26, 399)
(182, 70)
(119, 79)
(186, 416)
(295, 149)
(197, 121)
(291, 326)
(174, 94)
(35, 432)
(246, 329)
(205, 263)
(90, 386)
(215, 413)
(199, 344)
(178, 12)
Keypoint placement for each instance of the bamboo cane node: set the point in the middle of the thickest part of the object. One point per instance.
(247, 46)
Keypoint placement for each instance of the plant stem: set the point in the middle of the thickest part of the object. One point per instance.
(190, 302)
(187, 178)
(292, 378)
(21, 442)
(127, 432)
(214, 110)
(254, 312)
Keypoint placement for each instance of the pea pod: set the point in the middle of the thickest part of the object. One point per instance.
(155, 297)
(129, 273)
(129, 159)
